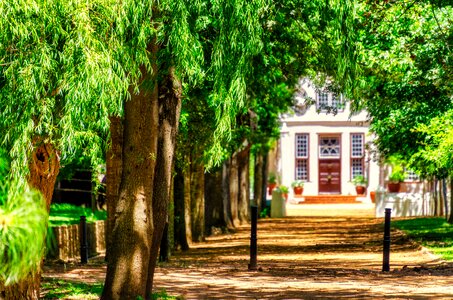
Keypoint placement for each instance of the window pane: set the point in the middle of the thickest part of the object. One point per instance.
(323, 100)
(357, 145)
(301, 170)
(329, 147)
(336, 101)
(302, 145)
(411, 176)
(356, 167)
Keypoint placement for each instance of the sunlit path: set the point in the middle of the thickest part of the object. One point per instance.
(318, 251)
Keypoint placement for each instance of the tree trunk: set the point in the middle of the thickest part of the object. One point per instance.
(244, 187)
(197, 200)
(450, 219)
(113, 177)
(187, 206)
(234, 188)
(44, 167)
(226, 195)
(264, 182)
(169, 111)
(26, 289)
(180, 223)
(258, 182)
(132, 222)
(213, 201)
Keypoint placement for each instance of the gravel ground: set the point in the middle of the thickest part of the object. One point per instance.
(317, 252)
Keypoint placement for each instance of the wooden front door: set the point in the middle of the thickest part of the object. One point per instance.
(329, 165)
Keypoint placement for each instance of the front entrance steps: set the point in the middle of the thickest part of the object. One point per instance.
(328, 199)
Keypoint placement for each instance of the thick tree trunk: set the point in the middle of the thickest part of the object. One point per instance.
(44, 167)
(180, 221)
(226, 195)
(244, 187)
(197, 200)
(258, 181)
(213, 201)
(234, 188)
(114, 170)
(169, 111)
(187, 207)
(450, 219)
(132, 223)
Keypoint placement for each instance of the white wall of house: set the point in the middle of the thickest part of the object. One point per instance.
(321, 124)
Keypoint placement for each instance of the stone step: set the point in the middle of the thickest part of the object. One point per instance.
(325, 199)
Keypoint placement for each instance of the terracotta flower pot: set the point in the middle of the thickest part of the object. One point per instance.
(360, 189)
(298, 190)
(271, 187)
(394, 187)
(373, 196)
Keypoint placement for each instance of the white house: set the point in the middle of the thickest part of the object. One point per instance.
(324, 145)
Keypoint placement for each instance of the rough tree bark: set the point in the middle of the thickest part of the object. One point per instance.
(244, 187)
(180, 220)
(197, 200)
(234, 188)
(44, 168)
(132, 223)
(114, 172)
(258, 181)
(187, 207)
(226, 195)
(450, 218)
(213, 201)
(170, 93)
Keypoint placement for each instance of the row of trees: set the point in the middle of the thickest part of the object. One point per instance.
(405, 51)
(82, 77)
(78, 76)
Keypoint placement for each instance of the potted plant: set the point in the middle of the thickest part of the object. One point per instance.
(271, 182)
(298, 187)
(396, 177)
(360, 184)
(284, 190)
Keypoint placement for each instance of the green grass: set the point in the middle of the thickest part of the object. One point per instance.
(63, 289)
(433, 233)
(68, 214)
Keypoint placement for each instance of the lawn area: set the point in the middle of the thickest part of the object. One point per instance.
(433, 233)
(68, 214)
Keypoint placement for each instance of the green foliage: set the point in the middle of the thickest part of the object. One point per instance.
(397, 175)
(63, 289)
(68, 214)
(283, 189)
(405, 50)
(297, 183)
(359, 180)
(434, 233)
(271, 178)
(23, 224)
(435, 156)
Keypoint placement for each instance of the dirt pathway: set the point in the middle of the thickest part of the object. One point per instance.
(317, 252)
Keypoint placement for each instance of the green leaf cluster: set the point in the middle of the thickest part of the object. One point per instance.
(23, 225)
(405, 50)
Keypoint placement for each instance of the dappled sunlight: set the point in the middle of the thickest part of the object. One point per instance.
(302, 257)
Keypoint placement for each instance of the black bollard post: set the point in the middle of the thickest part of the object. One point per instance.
(253, 239)
(386, 258)
(83, 240)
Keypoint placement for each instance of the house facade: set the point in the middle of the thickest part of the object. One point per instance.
(324, 145)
